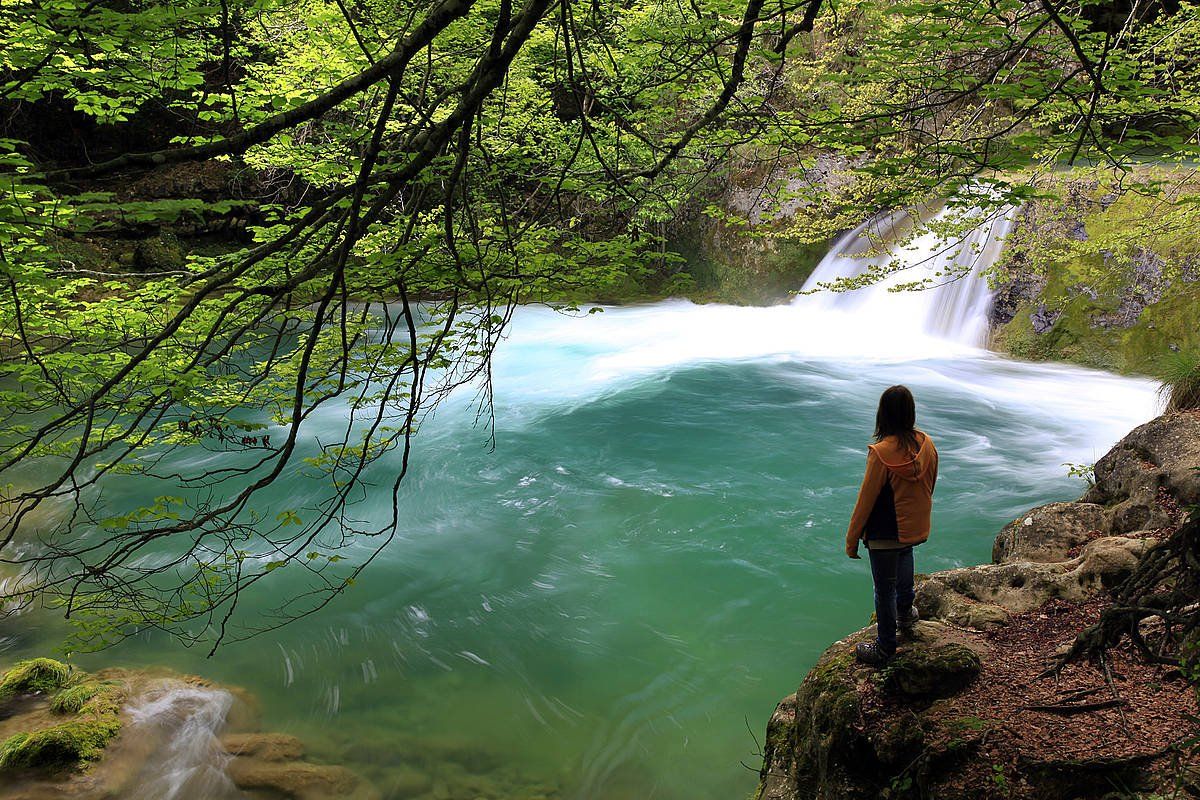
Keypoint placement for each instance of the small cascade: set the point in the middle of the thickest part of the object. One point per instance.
(902, 251)
(179, 723)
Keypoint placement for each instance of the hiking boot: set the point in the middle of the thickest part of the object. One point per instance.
(907, 619)
(870, 653)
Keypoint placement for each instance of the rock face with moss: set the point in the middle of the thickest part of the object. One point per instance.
(964, 709)
(1073, 286)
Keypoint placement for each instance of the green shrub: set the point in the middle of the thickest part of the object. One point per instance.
(1180, 374)
(34, 675)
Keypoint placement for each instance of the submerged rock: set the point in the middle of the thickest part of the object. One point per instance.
(264, 746)
(298, 780)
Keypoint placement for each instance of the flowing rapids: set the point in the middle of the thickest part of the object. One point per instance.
(609, 603)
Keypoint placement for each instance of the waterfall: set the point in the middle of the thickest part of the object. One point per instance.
(902, 250)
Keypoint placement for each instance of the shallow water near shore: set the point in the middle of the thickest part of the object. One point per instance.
(610, 602)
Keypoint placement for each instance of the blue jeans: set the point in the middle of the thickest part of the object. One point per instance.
(892, 572)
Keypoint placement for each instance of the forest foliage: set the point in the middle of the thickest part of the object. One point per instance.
(393, 177)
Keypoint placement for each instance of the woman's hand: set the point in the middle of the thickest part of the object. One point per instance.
(852, 549)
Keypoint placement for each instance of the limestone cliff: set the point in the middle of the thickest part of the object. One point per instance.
(966, 709)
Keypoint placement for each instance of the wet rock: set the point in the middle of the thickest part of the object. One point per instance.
(1049, 533)
(1043, 319)
(159, 253)
(298, 780)
(265, 746)
(34, 676)
(55, 719)
(405, 782)
(812, 739)
(99, 721)
(1017, 287)
(1144, 288)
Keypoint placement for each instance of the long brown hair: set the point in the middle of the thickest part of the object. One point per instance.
(897, 416)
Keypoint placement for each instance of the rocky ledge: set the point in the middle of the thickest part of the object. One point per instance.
(967, 709)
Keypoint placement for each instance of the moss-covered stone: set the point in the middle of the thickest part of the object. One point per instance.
(1075, 286)
(939, 670)
(813, 734)
(61, 746)
(91, 709)
(159, 253)
(36, 675)
(89, 697)
(72, 699)
(901, 741)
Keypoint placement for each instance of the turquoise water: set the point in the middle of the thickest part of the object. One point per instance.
(610, 603)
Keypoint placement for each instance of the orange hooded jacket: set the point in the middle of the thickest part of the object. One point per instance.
(896, 496)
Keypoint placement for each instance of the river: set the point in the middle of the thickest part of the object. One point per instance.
(609, 603)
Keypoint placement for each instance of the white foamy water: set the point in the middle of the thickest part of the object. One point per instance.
(929, 337)
(955, 303)
(179, 724)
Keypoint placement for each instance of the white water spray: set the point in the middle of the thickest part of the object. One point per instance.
(181, 722)
(930, 336)
(956, 303)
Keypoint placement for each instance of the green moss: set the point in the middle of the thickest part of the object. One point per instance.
(34, 675)
(1087, 277)
(94, 719)
(748, 271)
(898, 743)
(60, 746)
(162, 252)
(931, 671)
(72, 699)
(829, 701)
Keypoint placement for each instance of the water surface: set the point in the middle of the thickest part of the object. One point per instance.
(610, 602)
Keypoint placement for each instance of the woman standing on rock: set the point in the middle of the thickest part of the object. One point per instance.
(892, 515)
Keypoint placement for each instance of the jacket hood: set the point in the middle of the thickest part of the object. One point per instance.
(904, 463)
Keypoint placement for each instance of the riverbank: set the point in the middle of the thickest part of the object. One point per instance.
(967, 708)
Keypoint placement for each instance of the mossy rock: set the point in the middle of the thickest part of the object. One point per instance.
(929, 671)
(159, 253)
(901, 741)
(825, 738)
(72, 699)
(35, 676)
(88, 697)
(91, 709)
(59, 747)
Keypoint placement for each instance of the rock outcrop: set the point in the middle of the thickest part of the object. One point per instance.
(964, 709)
(1072, 287)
